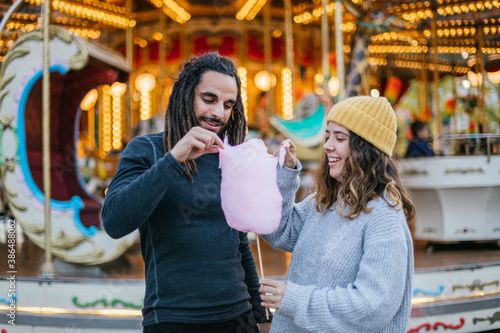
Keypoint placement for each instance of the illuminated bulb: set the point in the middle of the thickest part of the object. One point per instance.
(334, 86)
(475, 79)
(242, 73)
(264, 80)
(89, 100)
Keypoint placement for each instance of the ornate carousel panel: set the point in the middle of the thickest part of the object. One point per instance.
(76, 236)
(456, 197)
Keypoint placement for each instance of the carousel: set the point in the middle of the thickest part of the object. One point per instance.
(80, 78)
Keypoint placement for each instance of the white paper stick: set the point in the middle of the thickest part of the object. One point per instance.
(261, 269)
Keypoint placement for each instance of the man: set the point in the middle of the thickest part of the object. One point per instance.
(200, 273)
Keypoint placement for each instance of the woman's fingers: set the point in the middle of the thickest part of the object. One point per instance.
(268, 282)
(272, 293)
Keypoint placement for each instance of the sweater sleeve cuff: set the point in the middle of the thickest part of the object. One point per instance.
(178, 167)
(290, 300)
(288, 179)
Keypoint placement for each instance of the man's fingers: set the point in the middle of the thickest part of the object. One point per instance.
(199, 145)
(218, 141)
(213, 136)
(213, 150)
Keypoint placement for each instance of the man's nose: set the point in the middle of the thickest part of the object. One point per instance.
(218, 111)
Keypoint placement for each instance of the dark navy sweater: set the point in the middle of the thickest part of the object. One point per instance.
(418, 148)
(198, 269)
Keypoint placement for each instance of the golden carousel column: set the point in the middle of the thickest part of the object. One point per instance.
(268, 62)
(48, 270)
(423, 87)
(287, 73)
(435, 93)
(162, 53)
(339, 49)
(325, 46)
(480, 78)
(242, 70)
(129, 50)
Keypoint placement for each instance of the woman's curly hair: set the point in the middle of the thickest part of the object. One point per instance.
(368, 174)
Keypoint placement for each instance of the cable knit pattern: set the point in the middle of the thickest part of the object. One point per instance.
(345, 276)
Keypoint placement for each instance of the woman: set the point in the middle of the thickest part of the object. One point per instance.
(352, 263)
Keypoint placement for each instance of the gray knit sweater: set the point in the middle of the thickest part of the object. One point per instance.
(346, 276)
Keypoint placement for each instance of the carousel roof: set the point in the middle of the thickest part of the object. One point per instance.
(401, 31)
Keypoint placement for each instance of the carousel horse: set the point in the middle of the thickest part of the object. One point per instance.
(369, 23)
(307, 129)
(76, 67)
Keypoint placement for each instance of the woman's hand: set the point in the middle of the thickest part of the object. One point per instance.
(291, 153)
(272, 293)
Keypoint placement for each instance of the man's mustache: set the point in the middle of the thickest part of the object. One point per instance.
(213, 120)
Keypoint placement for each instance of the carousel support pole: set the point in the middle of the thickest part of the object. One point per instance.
(244, 43)
(268, 62)
(289, 39)
(481, 90)
(129, 50)
(243, 63)
(339, 49)
(48, 269)
(186, 50)
(162, 53)
(424, 96)
(325, 47)
(435, 93)
(455, 97)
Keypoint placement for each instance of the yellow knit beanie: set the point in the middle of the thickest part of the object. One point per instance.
(372, 118)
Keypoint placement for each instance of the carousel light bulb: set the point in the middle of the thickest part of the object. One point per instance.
(264, 80)
(475, 79)
(374, 93)
(242, 73)
(334, 86)
(89, 100)
(145, 81)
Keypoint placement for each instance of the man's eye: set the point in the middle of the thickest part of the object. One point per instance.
(208, 100)
(228, 107)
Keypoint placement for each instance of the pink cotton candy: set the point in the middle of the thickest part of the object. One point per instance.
(250, 197)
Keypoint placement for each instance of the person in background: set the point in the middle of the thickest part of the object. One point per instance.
(419, 145)
(352, 254)
(200, 273)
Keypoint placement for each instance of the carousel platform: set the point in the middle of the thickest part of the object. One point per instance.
(456, 288)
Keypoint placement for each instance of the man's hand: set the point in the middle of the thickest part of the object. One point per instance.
(272, 293)
(198, 141)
